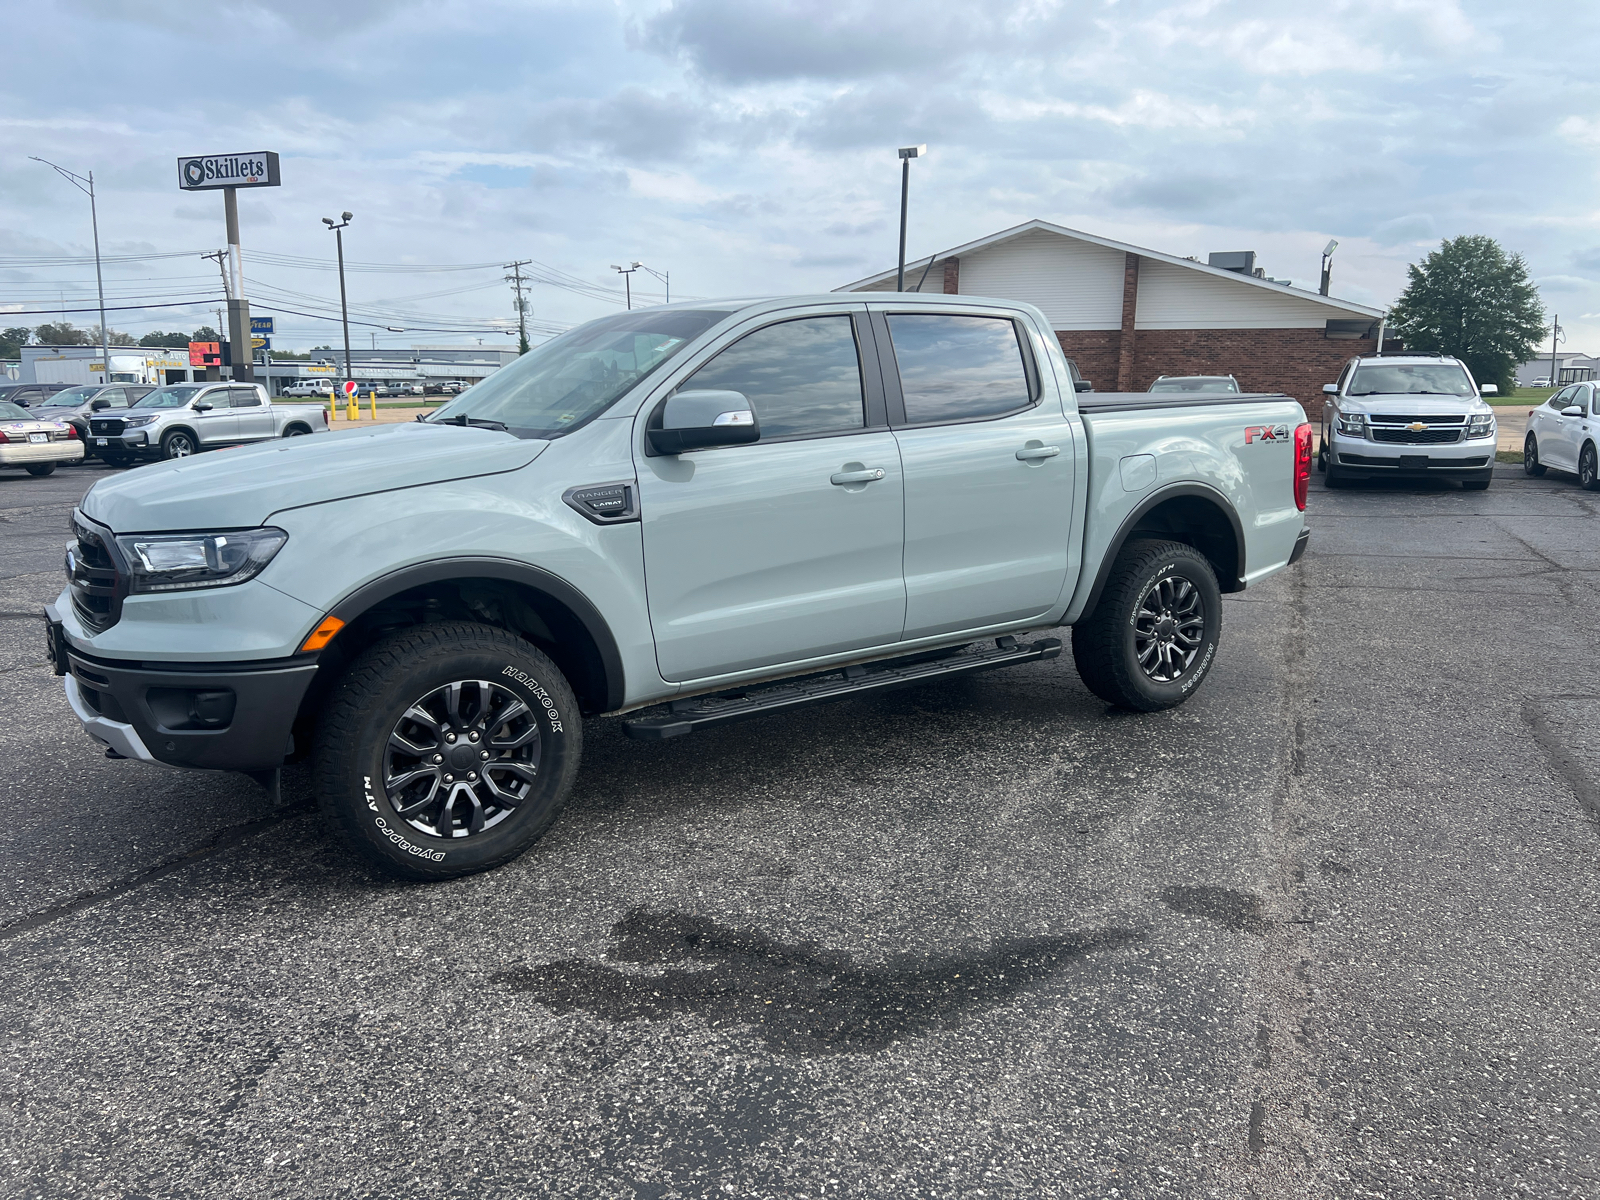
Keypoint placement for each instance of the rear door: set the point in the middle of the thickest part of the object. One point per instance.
(254, 417)
(988, 459)
(784, 549)
(216, 426)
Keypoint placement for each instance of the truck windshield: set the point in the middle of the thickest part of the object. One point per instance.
(1412, 379)
(168, 397)
(557, 387)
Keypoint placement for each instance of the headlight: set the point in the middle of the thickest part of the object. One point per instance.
(129, 422)
(1353, 425)
(1481, 426)
(171, 562)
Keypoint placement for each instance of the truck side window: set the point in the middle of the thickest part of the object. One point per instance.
(957, 368)
(246, 397)
(801, 377)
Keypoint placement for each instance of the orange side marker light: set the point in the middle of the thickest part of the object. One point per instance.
(322, 634)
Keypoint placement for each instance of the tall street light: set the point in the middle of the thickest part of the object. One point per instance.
(344, 309)
(1327, 263)
(907, 153)
(86, 186)
(664, 276)
(627, 282)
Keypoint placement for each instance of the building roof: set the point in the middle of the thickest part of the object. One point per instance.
(1015, 231)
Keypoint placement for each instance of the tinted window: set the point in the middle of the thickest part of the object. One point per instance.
(801, 377)
(1412, 379)
(1559, 400)
(956, 368)
(245, 397)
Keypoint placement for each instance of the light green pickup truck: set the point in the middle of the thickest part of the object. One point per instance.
(689, 514)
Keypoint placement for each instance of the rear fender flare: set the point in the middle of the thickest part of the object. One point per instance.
(1157, 498)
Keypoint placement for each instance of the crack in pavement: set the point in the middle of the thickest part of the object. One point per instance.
(1568, 766)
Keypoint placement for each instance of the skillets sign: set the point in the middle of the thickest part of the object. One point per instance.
(210, 171)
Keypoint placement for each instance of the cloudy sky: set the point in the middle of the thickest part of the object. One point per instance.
(749, 147)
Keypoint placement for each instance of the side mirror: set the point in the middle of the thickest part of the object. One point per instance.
(99, 405)
(1490, 389)
(202, 406)
(1330, 389)
(696, 420)
(1572, 410)
(1083, 385)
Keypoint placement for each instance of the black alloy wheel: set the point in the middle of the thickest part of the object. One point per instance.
(1168, 628)
(177, 444)
(1530, 456)
(1588, 469)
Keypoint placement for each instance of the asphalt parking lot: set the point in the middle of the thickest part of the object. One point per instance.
(1327, 930)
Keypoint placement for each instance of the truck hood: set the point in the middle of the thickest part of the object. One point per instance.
(1399, 403)
(242, 488)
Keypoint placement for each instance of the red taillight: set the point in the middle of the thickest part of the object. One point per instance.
(3, 438)
(72, 432)
(1302, 465)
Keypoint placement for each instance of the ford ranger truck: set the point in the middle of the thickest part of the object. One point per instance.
(685, 515)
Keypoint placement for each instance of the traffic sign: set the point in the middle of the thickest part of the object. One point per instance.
(260, 343)
(349, 387)
(262, 326)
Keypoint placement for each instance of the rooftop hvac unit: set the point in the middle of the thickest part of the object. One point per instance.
(1242, 261)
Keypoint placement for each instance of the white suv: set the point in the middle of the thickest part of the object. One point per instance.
(1407, 416)
(310, 387)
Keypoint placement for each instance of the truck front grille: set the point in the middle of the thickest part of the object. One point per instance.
(95, 576)
(106, 427)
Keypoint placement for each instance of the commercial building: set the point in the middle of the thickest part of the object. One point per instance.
(418, 364)
(1571, 366)
(85, 364)
(1128, 314)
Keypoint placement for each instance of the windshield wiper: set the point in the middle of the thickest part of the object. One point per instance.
(465, 421)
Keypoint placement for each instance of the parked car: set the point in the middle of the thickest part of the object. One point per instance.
(185, 418)
(1542, 381)
(828, 495)
(35, 444)
(76, 405)
(27, 395)
(1562, 433)
(1196, 383)
(1407, 416)
(309, 387)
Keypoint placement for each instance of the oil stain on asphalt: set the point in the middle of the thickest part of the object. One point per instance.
(800, 998)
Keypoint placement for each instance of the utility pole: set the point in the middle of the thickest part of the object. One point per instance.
(85, 184)
(627, 282)
(907, 153)
(1556, 335)
(515, 279)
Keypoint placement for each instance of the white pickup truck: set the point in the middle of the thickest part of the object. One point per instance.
(689, 514)
(185, 418)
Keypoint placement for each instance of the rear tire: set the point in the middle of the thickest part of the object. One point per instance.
(1588, 469)
(408, 747)
(1153, 636)
(1530, 456)
(42, 469)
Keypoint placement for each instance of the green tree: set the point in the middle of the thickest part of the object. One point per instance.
(1472, 300)
(13, 340)
(158, 340)
(61, 333)
(205, 334)
(114, 337)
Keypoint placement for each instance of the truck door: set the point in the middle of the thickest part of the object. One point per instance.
(787, 548)
(216, 426)
(254, 417)
(988, 459)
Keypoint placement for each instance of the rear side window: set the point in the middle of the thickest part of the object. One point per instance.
(245, 397)
(957, 368)
(801, 377)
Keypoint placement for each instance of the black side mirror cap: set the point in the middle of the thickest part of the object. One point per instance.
(1083, 385)
(202, 406)
(697, 420)
(100, 405)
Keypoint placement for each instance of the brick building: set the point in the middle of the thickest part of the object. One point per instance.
(1128, 314)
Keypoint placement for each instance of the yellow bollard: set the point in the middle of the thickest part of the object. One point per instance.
(351, 410)
(372, 400)
(333, 408)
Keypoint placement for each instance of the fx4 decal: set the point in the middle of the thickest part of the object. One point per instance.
(1265, 433)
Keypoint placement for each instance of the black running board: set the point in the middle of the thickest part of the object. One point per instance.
(685, 716)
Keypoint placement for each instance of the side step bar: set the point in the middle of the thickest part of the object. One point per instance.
(685, 716)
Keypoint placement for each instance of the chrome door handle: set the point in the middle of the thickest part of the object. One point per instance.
(1031, 453)
(870, 475)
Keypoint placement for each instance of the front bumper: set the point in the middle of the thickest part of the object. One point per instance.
(132, 441)
(235, 717)
(28, 454)
(1357, 456)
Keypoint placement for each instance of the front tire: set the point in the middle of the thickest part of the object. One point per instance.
(1153, 636)
(1588, 469)
(42, 469)
(1334, 477)
(1530, 456)
(177, 444)
(447, 749)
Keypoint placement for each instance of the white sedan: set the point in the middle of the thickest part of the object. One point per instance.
(1562, 433)
(39, 446)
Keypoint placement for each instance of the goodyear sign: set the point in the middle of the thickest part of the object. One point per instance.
(206, 172)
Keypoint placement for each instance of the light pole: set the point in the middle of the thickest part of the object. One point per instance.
(86, 186)
(344, 309)
(1327, 263)
(627, 282)
(1557, 336)
(907, 153)
(664, 276)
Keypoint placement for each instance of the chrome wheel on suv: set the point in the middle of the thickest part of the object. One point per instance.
(461, 759)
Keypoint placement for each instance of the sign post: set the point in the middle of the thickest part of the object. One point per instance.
(230, 172)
